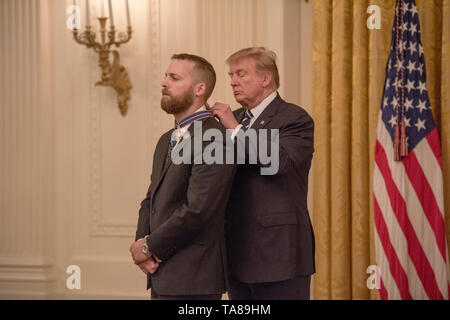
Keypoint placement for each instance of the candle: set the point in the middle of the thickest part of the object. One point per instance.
(128, 15)
(74, 11)
(102, 2)
(88, 14)
(111, 14)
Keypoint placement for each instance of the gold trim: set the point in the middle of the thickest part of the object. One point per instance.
(113, 75)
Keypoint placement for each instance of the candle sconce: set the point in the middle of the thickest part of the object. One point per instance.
(113, 74)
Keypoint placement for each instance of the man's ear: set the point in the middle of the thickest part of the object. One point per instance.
(200, 89)
(267, 79)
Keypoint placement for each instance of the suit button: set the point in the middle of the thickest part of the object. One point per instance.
(153, 211)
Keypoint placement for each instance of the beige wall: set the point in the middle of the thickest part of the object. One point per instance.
(73, 170)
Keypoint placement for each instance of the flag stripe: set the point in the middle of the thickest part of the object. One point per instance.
(433, 140)
(420, 223)
(388, 280)
(398, 239)
(395, 267)
(415, 250)
(383, 292)
(432, 171)
(427, 199)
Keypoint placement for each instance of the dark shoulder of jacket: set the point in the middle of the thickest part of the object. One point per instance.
(213, 123)
(164, 138)
(165, 135)
(294, 112)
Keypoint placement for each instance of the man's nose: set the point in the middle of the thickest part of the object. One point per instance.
(164, 82)
(234, 81)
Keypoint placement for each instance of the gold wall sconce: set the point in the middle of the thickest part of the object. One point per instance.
(113, 74)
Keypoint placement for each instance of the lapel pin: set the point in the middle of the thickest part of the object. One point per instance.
(262, 122)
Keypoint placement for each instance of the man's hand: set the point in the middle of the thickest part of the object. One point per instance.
(225, 115)
(149, 266)
(136, 252)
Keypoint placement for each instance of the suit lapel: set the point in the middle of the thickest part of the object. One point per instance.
(163, 167)
(239, 114)
(161, 153)
(266, 116)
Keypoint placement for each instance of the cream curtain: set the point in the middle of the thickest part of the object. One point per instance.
(349, 70)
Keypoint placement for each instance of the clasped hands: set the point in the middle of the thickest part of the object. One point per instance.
(147, 262)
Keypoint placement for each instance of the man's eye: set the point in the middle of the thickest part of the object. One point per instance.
(241, 74)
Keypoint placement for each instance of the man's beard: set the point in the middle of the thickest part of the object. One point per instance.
(174, 105)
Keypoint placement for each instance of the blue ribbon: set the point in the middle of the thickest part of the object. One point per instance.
(193, 117)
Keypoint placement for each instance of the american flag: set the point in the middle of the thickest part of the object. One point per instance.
(410, 242)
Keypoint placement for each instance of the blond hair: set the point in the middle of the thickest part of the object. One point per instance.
(266, 60)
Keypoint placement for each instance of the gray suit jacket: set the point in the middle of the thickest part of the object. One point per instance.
(184, 215)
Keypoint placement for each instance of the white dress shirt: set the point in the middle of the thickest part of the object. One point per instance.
(256, 111)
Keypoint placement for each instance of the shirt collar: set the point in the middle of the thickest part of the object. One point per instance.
(256, 111)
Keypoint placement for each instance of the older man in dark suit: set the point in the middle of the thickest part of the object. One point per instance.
(180, 240)
(270, 239)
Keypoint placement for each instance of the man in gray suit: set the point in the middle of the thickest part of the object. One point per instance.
(270, 239)
(180, 240)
